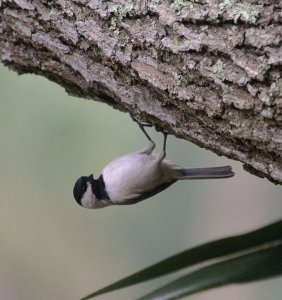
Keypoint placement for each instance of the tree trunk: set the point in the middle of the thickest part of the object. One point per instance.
(206, 71)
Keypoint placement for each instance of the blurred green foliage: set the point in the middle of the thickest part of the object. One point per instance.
(53, 249)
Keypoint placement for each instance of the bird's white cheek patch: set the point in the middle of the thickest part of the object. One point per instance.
(88, 200)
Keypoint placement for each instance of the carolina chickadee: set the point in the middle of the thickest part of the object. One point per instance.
(137, 176)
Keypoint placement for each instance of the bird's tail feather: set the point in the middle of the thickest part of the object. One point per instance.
(206, 173)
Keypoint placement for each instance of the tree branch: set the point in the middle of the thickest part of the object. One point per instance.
(206, 71)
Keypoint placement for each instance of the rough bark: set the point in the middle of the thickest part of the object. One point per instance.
(206, 71)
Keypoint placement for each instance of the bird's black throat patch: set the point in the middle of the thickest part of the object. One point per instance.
(99, 189)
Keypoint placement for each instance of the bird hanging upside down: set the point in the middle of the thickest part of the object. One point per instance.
(137, 176)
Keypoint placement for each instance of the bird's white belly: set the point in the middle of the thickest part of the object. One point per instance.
(128, 176)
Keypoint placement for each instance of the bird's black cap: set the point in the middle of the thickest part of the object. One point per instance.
(80, 187)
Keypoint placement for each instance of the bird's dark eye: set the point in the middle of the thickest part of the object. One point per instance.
(84, 187)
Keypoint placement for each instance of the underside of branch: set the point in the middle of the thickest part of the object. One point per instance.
(206, 71)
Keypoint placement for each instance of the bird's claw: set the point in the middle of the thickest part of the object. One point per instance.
(140, 123)
(159, 129)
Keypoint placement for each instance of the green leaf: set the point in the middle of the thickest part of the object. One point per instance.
(198, 254)
(258, 265)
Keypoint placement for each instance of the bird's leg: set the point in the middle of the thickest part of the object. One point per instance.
(144, 131)
(162, 154)
(165, 139)
(165, 134)
(151, 145)
(142, 125)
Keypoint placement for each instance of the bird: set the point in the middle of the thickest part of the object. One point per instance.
(137, 176)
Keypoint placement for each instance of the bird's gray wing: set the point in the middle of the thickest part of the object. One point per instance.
(148, 194)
